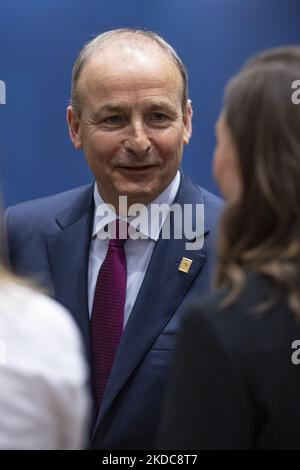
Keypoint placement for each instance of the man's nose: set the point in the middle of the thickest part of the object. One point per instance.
(137, 141)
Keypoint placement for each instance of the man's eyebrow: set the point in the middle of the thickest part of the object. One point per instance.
(161, 105)
(110, 108)
(118, 108)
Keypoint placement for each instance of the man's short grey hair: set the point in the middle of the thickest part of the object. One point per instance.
(135, 35)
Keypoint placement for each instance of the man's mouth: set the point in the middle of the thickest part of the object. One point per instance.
(136, 168)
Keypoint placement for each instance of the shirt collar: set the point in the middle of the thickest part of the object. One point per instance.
(104, 214)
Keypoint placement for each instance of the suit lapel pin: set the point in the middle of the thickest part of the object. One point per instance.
(185, 265)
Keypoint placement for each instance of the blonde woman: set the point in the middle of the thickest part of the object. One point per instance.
(43, 394)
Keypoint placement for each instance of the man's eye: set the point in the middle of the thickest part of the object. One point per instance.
(113, 120)
(158, 117)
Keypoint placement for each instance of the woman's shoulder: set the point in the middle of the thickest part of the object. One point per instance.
(242, 319)
(22, 302)
(43, 370)
(241, 324)
(255, 290)
(33, 325)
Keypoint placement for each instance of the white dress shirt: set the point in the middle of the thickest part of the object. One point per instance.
(138, 252)
(44, 402)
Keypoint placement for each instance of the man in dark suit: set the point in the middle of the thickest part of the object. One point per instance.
(131, 115)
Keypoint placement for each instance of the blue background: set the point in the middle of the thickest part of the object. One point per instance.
(40, 39)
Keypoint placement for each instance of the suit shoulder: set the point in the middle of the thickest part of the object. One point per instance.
(190, 192)
(43, 207)
(213, 206)
(40, 214)
(53, 201)
(211, 198)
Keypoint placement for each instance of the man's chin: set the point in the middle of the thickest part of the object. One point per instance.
(139, 194)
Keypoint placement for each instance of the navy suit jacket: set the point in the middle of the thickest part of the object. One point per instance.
(49, 240)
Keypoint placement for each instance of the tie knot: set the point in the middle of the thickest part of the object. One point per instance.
(119, 233)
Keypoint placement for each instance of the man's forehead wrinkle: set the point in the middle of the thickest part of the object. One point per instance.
(110, 83)
(155, 103)
(114, 82)
(144, 94)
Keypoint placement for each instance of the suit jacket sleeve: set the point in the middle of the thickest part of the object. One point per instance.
(207, 405)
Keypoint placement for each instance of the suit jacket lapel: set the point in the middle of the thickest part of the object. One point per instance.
(68, 252)
(158, 299)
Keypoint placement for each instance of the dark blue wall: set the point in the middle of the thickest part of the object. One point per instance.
(39, 40)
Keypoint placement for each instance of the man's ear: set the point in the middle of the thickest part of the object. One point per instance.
(187, 121)
(74, 128)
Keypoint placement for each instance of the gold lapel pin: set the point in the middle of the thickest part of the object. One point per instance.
(185, 265)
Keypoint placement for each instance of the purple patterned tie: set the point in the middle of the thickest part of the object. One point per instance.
(108, 313)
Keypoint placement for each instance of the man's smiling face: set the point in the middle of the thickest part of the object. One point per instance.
(132, 126)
